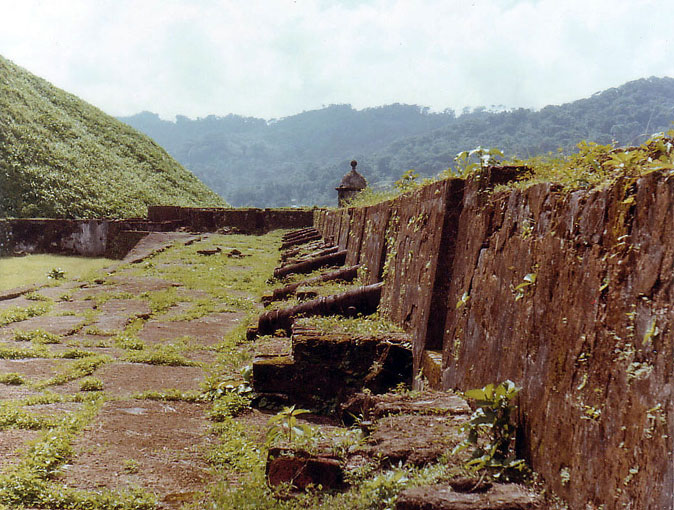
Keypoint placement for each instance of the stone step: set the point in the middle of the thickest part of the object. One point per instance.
(326, 368)
(446, 497)
(431, 366)
(274, 374)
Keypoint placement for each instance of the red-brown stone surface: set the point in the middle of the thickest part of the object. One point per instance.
(301, 470)
(442, 497)
(589, 341)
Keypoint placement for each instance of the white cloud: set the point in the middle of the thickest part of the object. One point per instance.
(279, 57)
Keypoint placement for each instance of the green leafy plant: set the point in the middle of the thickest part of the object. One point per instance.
(284, 426)
(465, 297)
(229, 405)
(386, 487)
(18, 314)
(130, 466)
(35, 296)
(56, 274)
(521, 289)
(407, 182)
(491, 432)
(468, 162)
(214, 389)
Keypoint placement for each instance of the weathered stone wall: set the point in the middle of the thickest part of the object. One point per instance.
(89, 238)
(396, 242)
(246, 220)
(54, 236)
(589, 340)
(114, 238)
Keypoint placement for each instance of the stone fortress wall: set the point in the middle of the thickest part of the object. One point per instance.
(570, 295)
(114, 238)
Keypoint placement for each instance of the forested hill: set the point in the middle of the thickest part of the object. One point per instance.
(62, 157)
(301, 159)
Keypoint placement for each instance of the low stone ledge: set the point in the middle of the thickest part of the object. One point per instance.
(444, 497)
(302, 470)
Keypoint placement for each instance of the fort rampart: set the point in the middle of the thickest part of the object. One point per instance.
(570, 295)
(114, 238)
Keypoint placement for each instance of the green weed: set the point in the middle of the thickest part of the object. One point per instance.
(130, 342)
(18, 314)
(37, 336)
(36, 296)
(491, 433)
(76, 370)
(91, 384)
(230, 405)
(12, 379)
(169, 395)
(12, 415)
(12, 352)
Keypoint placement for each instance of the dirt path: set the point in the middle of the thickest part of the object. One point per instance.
(119, 333)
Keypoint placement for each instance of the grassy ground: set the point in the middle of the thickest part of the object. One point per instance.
(20, 271)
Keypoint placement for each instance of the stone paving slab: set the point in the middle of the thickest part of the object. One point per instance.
(60, 325)
(11, 442)
(207, 330)
(163, 441)
(124, 379)
(73, 306)
(17, 302)
(56, 291)
(13, 392)
(137, 285)
(114, 315)
(59, 408)
(156, 242)
(414, 439)
(443, 497)
(201, 356)
(113, 352)
(34, 369)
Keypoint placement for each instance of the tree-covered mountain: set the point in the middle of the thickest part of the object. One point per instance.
(301, 159)
(62, 157)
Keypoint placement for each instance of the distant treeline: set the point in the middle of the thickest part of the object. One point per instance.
(299, 160)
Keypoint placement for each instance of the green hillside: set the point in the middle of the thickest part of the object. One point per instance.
(300, 159)
(62, 157)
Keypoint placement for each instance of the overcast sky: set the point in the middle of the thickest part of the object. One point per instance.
(274, 58)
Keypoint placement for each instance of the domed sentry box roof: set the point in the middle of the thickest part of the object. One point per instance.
(351, 184)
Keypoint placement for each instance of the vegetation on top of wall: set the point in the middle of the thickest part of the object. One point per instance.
(597, 165)
(593, 165)
(62, 157)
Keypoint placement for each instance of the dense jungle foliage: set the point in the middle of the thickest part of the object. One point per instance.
(62, 157)
(299, 160)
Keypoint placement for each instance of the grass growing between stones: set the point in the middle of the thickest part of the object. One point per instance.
(373, 324)
(33, 481)
(236, 450)
(235, 283)
(18, 313)
(165, 354)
